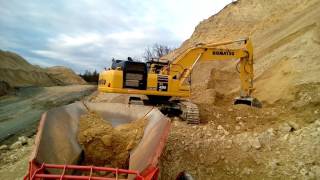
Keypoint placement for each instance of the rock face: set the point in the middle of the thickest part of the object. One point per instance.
(278, 141)
(17, 72)
(286, 42)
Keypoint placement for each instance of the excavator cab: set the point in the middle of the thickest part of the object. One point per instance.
(135, 74)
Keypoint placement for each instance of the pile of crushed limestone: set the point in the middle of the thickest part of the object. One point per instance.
(105, 145)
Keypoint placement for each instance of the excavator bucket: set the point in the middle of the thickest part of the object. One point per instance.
(250, 101)
(57, 152)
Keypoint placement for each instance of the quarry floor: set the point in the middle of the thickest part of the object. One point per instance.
(277, 141)
(21, 110)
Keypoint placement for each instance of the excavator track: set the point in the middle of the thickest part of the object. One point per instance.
(190, 112)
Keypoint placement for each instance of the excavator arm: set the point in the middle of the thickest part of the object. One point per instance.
(183, 65)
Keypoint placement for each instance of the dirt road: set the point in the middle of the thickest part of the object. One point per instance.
(20, 113)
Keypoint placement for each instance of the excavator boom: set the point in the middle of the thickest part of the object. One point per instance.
(184, 63)
(212, 52)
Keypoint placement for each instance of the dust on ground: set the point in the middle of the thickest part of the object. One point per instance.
(19, 116)
(240, 142)
(20, 112)
(105, 145)
(14, 158)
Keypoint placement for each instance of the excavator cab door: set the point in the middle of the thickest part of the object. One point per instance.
(250, 101)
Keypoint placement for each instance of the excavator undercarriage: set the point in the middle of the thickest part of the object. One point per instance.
(182, 108)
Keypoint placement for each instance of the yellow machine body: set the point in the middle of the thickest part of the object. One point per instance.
(172, 79)
(111, 81)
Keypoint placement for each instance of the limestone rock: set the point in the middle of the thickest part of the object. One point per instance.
(23, 140)
(254, 142)
(285, 127)
(294, 125)
(4, 147)
(316, 171)
(247, 171)
(228, 144)
(265, 138)
(16, 145)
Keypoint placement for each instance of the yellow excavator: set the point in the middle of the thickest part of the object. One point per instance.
(160, 80)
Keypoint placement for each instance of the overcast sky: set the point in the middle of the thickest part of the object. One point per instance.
(86, 34)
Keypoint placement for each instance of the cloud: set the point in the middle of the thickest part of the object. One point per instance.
(75, 41)
(86, 34)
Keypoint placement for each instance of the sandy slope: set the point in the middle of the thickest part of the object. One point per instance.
(286, 37)
(64, 76)
(278, 141)
(17, 72)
